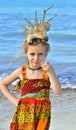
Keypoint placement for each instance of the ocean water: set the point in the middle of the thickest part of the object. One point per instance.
(62, 39)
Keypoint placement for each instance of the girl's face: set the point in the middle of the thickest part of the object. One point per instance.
(36, 55)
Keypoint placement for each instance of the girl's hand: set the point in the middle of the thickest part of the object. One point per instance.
(16, 101)
(47, 67)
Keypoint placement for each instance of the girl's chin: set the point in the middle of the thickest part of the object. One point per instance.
(36, 65)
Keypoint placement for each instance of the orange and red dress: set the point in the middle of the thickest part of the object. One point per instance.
(34, 108)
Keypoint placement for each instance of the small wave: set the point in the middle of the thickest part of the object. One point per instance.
(62, 36)
(68, 87)
(2, 76)
(68, 80)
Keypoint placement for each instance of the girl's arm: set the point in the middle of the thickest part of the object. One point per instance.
(54, 81)
(7, 81)
(52, 77)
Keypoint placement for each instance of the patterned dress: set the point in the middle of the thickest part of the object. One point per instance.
(34, 108)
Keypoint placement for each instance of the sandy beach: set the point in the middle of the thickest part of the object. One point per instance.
(63, 111)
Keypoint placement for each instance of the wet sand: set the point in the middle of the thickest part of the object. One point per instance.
(63, 111)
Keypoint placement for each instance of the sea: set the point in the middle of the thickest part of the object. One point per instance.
(62, 39)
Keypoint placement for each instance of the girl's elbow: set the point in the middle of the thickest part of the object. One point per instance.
(58, 92)
(2, 85)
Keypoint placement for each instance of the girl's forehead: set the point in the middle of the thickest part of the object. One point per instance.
(36, 47)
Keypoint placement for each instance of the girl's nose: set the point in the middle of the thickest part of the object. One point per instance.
(36, 57)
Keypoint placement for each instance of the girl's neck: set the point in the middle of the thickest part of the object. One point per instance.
(31, 68)
(34, 73)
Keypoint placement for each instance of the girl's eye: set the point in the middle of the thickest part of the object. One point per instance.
(40, 54)
(32, 54)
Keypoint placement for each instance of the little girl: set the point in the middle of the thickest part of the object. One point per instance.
(33, 108)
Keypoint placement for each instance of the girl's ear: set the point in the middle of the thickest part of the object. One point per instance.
(25, 52)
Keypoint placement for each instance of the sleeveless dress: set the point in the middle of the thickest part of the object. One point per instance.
(34, 108)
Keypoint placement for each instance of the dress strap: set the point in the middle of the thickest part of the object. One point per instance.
(44, 74)
(23, 72)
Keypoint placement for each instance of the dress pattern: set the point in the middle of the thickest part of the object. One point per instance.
(34, 108)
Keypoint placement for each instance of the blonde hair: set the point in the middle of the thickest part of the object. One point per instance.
(36, 41)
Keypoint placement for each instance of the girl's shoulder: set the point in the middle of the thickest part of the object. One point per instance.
(17, 72)
(21, 71)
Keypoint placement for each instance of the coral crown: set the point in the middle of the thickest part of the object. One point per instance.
(39, 29)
